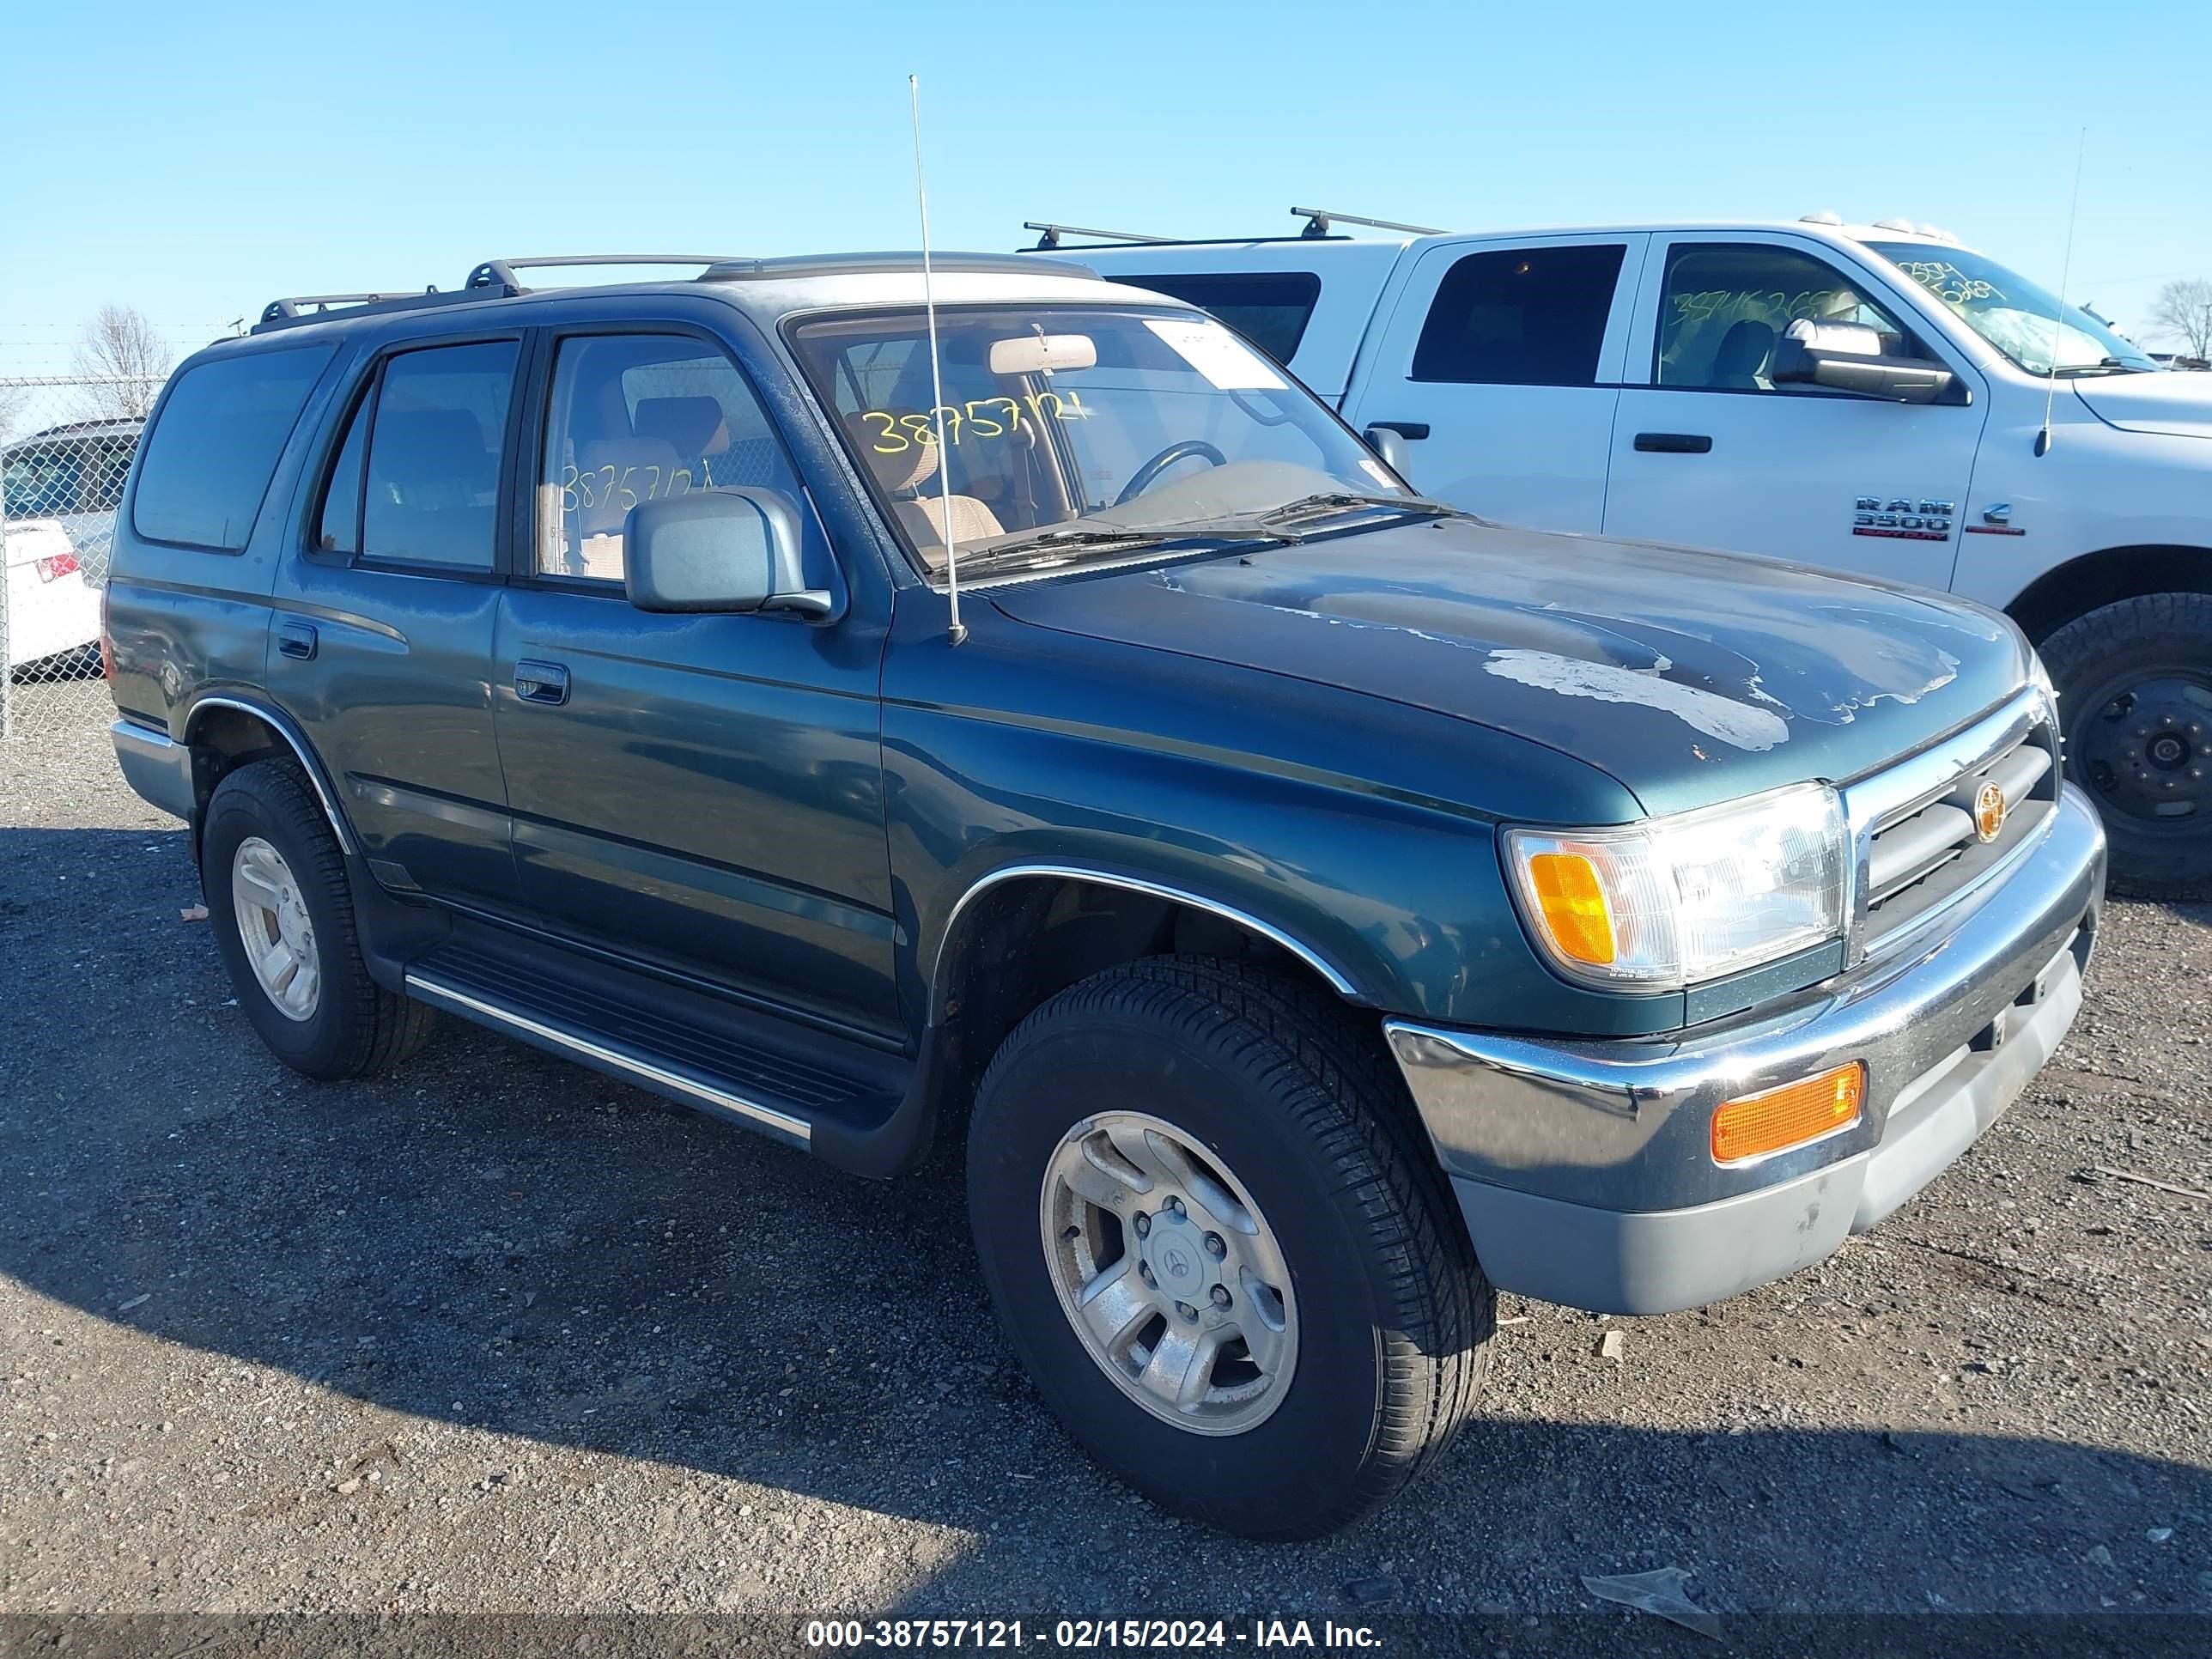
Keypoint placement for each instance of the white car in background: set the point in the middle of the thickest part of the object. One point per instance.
(62, 488)
(73, 475)
(51, 612)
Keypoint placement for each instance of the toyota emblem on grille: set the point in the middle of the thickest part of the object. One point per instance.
(1989, 811)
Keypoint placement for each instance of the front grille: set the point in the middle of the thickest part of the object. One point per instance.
(1916, 844)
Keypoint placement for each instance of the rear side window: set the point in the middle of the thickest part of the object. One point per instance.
(1524, 316)
(208, 460)
(431, 491)
(1271, 308)
(338, 528)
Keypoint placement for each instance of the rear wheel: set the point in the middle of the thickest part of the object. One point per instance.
(2135, 682)
(278, 896)
(1222, 1247)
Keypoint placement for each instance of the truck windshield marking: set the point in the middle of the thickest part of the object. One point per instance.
(904, 429)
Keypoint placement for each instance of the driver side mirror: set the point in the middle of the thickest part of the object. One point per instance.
(1848, 357)
(718, 551)
(1389, 447)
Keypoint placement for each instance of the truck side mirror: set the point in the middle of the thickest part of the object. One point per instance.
(727, 550)
(1389, 446)
(1848, 357)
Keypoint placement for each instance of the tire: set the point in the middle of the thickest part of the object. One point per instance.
(1282, 1096)
(2135, 688)
(354, 1027)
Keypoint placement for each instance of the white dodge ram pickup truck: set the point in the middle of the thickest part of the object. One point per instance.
(1870, 399)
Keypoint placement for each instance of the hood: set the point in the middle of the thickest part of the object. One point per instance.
(2168, 401)
(1691, 677)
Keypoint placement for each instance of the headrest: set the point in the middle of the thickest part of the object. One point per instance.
(1744, 349)
(691, 425)
(901, 472)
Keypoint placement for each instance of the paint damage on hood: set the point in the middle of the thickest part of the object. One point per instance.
(1689, 677)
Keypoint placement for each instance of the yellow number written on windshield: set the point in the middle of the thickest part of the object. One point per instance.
(985, 419)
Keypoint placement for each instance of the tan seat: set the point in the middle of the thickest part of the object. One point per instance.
(616, 473)
(904, 477)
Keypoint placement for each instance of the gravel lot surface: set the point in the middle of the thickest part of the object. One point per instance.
(495, 1333)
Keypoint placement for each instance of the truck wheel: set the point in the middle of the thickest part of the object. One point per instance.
(2135, 684)
(276, 894)
(1223, 1248)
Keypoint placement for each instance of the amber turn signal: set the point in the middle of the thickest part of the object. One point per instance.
(1573, 903)
(1775, 1120)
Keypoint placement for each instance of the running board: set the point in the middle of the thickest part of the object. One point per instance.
(663, 1078)
(700, 1050)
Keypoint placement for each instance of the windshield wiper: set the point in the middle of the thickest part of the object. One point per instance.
(1049, 544)
(2102, 366)
(1315, 507)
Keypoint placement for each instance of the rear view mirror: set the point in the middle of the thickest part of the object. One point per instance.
(718, 549)
(1038, 353)
(1848, 357)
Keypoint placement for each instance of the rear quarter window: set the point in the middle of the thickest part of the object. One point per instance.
(1271, 308)
(1522, 316)
(209, 459)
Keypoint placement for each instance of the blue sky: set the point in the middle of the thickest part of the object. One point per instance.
(195, 162)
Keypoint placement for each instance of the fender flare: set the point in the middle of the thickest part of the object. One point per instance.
(287, 728)
(1314, 959)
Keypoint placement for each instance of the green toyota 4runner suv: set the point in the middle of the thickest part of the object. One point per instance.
(1311, 906)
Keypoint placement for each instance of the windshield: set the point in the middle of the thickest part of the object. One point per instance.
(2012, 313)
(1072, 428)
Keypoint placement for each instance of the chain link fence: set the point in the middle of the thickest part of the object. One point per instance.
(66, 442)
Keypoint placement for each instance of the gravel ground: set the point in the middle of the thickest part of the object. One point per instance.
(495, 1333)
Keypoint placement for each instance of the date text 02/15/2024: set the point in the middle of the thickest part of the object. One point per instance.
(1086, 1634)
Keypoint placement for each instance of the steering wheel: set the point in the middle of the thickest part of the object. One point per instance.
(1149, 474)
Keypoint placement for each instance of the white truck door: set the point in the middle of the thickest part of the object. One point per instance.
(1499, 361)
(1709, 451)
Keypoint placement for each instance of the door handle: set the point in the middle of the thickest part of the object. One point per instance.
(297, 639)
(541, 682)
(1404, 429)
(1673, 443)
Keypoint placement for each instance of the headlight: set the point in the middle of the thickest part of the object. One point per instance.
(1674, 901)
(2039, 678)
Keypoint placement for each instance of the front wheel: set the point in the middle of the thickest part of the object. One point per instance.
(1221, 1247)
(2135, 685)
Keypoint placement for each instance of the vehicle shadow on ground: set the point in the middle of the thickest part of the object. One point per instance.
(492, 1237)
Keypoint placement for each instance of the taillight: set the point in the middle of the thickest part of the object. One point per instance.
(107, 644)
(60, 565)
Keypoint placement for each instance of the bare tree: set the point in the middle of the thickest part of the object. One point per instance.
(124, 362)
(2185, 308)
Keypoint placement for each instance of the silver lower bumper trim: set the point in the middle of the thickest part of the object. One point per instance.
(159, 769)
(1609, 1141)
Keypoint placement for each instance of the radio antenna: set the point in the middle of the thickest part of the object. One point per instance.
(2059, 316)
(936, 370)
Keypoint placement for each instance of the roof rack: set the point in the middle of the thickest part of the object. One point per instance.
(498, 279)
(840, 264)
(1048, 235)
(498, 273)
(297, 308)
(494, 279)
(1318, 220)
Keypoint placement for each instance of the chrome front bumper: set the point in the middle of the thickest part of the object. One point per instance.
(1585, 1169)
